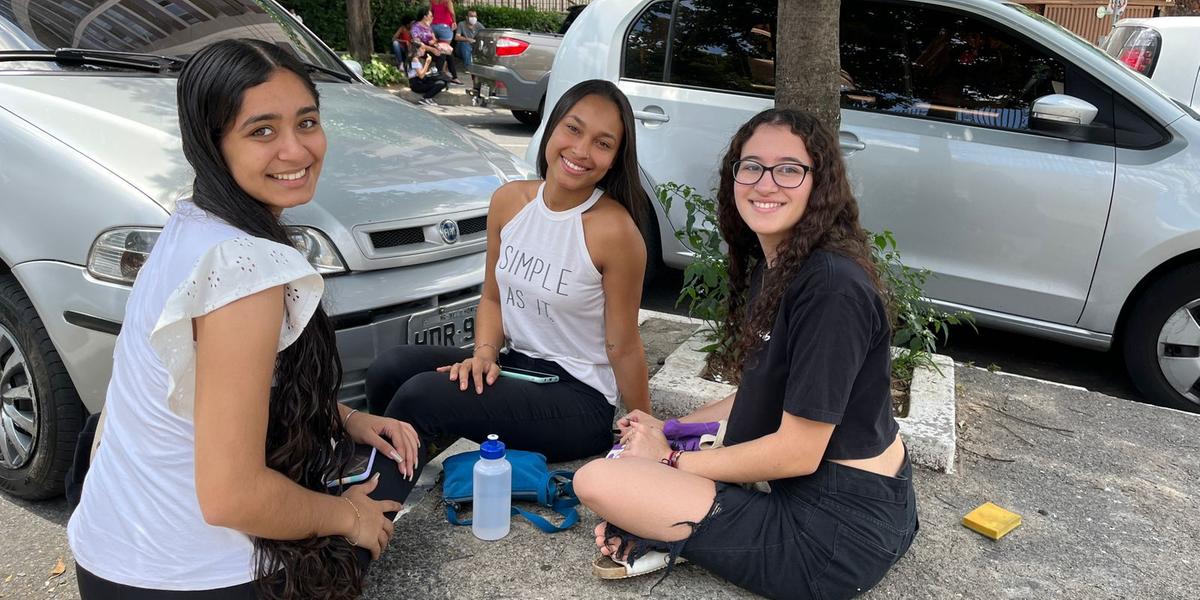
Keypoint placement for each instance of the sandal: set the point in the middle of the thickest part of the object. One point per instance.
(607, 567)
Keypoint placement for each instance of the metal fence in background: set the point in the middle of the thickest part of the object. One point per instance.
(552, 5)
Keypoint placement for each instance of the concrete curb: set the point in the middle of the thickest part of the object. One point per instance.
(929, 429)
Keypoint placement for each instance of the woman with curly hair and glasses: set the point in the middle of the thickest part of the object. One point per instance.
(807, 337)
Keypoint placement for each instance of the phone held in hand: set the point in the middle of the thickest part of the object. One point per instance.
(359, 468)
(524, 375)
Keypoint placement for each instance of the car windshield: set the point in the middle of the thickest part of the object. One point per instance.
(174, 28)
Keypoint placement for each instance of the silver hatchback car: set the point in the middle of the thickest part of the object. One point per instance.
(91, 166)
(1049, 189)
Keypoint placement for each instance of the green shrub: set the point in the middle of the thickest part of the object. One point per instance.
(380, 71)
(504, 17)
(917, 326)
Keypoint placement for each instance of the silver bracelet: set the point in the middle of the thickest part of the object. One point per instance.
(347, 419)
(486, 345)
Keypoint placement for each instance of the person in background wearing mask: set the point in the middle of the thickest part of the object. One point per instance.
(464, 38)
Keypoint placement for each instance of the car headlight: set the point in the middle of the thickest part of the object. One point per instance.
(317, 248)
(117, 255)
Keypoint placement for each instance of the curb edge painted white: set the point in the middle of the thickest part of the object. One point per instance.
(929, 429)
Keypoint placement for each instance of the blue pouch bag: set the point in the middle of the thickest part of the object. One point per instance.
(532, 481)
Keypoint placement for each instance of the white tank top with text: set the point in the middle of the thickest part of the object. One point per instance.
(551, 295)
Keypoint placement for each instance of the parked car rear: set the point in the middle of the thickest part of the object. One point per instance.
(1047, 188)
(511, 67)
(91, 167)
(1165, 49)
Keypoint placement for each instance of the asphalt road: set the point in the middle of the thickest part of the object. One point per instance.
(987, 348)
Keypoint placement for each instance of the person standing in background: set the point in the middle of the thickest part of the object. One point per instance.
(443, 29)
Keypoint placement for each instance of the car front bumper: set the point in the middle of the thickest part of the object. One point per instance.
(370, 311)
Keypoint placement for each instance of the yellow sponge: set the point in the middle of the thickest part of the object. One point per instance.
(991, 520)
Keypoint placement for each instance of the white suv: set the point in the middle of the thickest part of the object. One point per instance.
(1050, 190)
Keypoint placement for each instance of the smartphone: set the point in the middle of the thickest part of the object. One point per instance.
(524, 375)
(359, 468)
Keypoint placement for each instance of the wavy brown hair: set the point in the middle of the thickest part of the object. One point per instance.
(303, 413)
(829, 222)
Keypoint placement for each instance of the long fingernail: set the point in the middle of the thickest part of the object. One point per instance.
(396, 457)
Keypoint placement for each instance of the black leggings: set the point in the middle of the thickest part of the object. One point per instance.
(427, 86)
(392, 486)
(566, 420)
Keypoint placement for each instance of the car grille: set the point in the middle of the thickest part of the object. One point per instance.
(395, 238)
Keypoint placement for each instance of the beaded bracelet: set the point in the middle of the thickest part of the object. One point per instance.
(672, 460)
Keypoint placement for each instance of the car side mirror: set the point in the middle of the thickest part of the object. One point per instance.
(354, 66)
(1066, 109)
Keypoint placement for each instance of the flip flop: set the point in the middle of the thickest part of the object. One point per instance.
(606, 567)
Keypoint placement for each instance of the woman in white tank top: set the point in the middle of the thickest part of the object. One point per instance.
(565, 261)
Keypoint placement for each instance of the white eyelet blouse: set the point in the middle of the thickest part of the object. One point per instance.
(139, 522)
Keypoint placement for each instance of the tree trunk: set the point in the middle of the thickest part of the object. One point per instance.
(358, 30)
(807, 60)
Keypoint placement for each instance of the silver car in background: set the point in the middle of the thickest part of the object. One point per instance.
(1048, 189)
(91, 167)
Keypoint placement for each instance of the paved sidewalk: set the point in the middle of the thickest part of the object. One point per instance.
(1109, 491)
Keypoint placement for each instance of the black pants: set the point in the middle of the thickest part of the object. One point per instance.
(392, 486)
(427, 86)
(832, 534)
(566, 420)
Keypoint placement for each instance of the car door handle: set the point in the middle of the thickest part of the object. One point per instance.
(852, 145)
(651, 117)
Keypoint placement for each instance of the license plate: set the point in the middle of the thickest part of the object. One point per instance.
(485, 90)
(452, 325)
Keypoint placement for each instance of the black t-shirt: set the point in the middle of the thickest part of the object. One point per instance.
(827, 359)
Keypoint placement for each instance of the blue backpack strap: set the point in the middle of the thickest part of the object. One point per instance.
(452, 514)
(569, 514)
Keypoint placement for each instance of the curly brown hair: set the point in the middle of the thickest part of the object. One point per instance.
(829, 222)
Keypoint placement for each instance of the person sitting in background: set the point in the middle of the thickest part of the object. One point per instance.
(402, 43)
(423, 38)
(423, 77)
(464, 38)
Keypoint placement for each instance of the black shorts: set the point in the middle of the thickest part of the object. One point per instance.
(832, 534)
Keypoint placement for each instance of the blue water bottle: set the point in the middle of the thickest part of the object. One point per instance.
(492, 491)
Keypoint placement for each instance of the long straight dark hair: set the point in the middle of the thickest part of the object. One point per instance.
(303, 415)
(622, 181)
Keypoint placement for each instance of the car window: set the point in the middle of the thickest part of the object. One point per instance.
(164, 27)
(723, 46)
(646, 44)
(941, 64)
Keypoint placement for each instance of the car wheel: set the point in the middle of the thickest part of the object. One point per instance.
(528, 117)
(1162, 340)
(40, 412)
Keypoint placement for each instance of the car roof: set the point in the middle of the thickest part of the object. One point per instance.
(1163, 23)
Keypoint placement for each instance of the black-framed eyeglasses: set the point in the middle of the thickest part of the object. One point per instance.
(786, 175)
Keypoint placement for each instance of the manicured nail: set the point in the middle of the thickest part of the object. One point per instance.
(396, 457)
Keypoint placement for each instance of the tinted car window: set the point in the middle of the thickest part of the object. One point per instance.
(723, 46)
(165, 27)
(941, 64)
(646, 44)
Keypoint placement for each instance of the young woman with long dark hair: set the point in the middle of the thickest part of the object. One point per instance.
(222, 424)
(807, 335)
(565, 260)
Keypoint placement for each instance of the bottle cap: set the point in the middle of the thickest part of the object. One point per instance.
(493, 448)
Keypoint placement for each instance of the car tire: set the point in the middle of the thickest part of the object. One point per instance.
(1161, 340)
(40, 412)
(528, 117)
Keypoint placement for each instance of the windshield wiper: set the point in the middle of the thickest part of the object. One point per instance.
(342, 75)
(110, 58)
